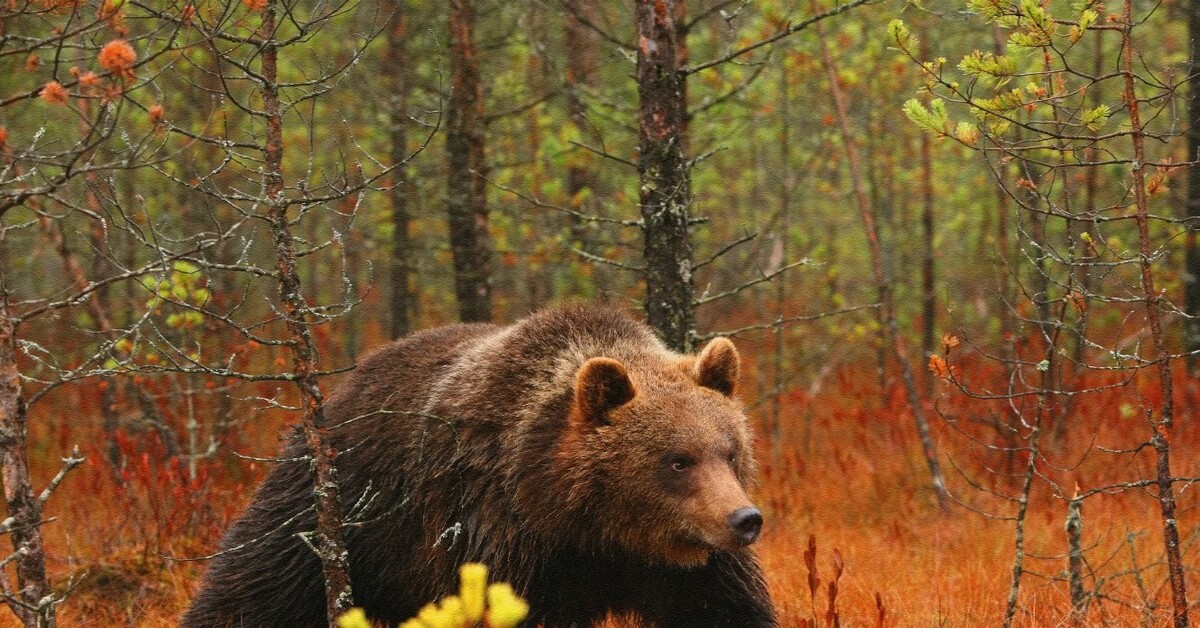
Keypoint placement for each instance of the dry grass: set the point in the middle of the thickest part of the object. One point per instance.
(854, 479)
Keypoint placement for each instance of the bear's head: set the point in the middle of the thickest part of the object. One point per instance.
(665, 452)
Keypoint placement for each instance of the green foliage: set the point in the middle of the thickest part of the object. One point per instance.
(933, 119)
(990, 10)
(1034, 26)
(183, 286)
(993, 70)
(1095, 117)
(900, 34)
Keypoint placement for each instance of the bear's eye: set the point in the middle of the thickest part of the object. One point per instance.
(681, 462)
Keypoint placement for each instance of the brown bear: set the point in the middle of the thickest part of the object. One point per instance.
(596, 471)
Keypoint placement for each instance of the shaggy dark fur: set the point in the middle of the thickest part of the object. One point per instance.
(592, 485)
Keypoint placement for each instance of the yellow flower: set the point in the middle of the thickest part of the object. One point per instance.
(505, 609)
(474, 582)
(452, 611)
(430, 615)
(353, 618)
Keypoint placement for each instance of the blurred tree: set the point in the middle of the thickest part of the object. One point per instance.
(1191, 271)
(466, 170)
(395, 68)
(883, 280)
(582, 53)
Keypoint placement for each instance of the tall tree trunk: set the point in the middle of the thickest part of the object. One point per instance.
(24, 509)
(395, 61)
(100, 303)
(1191, 271)
(582, 55)
(1085, 252)
(785, 227)
(928, 298)
(1164, 422)
(532, 280)
(665, 193)
(882, 280)
(109, 420)
(327, 540)
(679, 16)
(466, 196)
(1004, 252)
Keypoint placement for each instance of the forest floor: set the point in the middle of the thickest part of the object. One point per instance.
(847, 476)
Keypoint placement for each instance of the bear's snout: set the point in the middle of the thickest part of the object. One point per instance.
(746, 523)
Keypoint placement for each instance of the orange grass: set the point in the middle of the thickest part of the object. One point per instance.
(858, 483)
(849, 474)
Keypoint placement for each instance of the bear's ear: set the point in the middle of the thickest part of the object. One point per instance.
(601, 385)
(717, 366)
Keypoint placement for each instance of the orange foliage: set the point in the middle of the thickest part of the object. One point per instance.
(54, 93)
(117, 56)
(937, 366)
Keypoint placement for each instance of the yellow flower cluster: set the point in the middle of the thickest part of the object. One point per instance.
(497, 605)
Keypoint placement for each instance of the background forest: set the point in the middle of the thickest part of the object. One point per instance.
(955, 240)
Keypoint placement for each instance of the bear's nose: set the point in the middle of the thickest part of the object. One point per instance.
(746, 523)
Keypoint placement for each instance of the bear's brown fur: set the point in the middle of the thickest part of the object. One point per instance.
(582, 461)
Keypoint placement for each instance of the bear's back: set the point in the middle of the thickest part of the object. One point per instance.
(399, 376)
(527, 369)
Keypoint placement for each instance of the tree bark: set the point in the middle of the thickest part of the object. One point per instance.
(33, 602)
(327, 540)
(396, 69)
(1019, 519)
(665, 194)
(466, 196)
(1075, 562)
(1164, 423)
